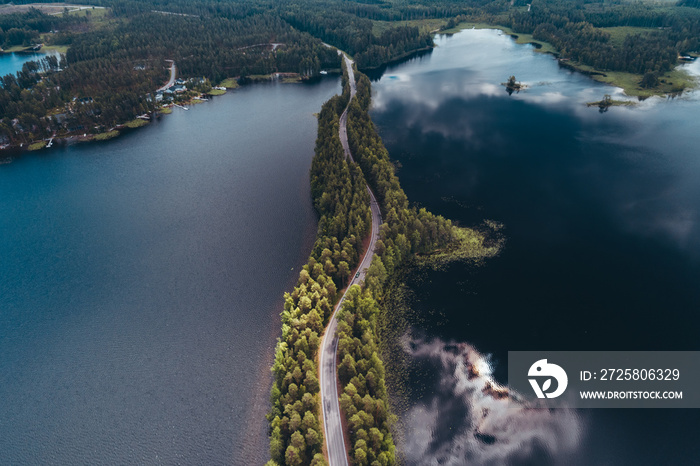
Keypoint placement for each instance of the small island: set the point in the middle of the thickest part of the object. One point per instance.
(607, 102)
(513, 85)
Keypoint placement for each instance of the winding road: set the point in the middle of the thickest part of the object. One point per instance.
(335, 441)
(173, 74)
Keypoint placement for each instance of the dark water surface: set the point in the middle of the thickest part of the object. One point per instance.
(141, 282)
(601, 217)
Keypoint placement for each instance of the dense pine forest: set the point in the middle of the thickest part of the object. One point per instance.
(116, 55)
(342, 202)
(340, 198)
(579, 34)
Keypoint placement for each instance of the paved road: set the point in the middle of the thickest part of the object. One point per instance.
(344, 116)
(173, 74)
(335, 442)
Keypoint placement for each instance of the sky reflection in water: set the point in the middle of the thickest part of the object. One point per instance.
(603, 247)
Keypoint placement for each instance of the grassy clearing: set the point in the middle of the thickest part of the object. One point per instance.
(46, 8)
(98, 18)
(44, 49)
(229, 83)
(106, 136)
(619, 33)
(469, 245)
(37, 145)
(672, 82)
(55, 48)
(216, 92)
(91, 13)
(16, 48)
(137, 123)
(166, 110)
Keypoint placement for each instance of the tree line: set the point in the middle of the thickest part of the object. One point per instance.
(342, 202)
(406, 231)
(575, 30)
(354, 35)
(26, 28)
(114, 64)
(110, 72)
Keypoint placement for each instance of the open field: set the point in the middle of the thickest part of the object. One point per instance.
(44, 49)
(16, 48)
(54, 48)
(106, 136)
(47, 8)
(37, 145)
(136, 123)
(672, 82)
(96, 12)
(229, 83)
(619, 33)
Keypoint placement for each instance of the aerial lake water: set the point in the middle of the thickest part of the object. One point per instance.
(141, 283)
(601, 221)
(141, 278)
(11, 63)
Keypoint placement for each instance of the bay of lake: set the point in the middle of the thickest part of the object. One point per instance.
(141, 282)
(601, 220)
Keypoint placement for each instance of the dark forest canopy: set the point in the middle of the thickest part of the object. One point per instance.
(341, 200)
(117, 56)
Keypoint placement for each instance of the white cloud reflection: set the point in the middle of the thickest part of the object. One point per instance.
(470, 419)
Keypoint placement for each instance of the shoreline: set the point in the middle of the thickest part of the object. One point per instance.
(626, 81)
(671, 83)
(400, 58)
(10, 151)
(45, 49)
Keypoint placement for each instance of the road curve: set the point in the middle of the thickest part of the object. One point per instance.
(173, 73)
(335, 441)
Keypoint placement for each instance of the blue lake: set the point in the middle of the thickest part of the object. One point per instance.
(601, 219)
(11, 63)
(141, 283)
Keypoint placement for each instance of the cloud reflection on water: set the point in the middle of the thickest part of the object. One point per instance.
(604, 202)
(464, 421)
(565, 148)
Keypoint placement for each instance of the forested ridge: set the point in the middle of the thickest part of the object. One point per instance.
(337, 187)
(342, 202)
(115, 62)
(577, 34)
(112, 70)
(116, 56)
(26, 28)
(406, 231)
